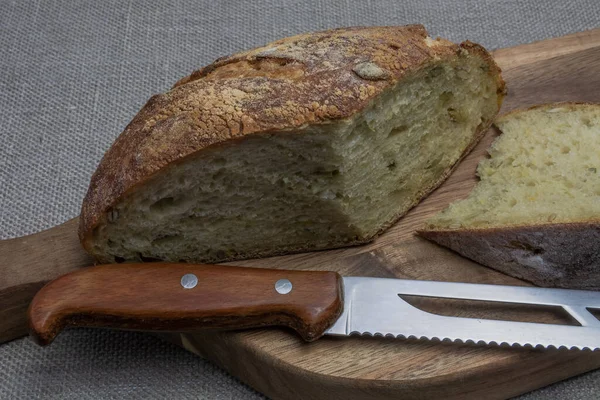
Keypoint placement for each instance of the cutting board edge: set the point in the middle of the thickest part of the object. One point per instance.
(296, 378)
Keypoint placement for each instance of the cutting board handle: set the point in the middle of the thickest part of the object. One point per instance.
(29, 262)
(186, 297)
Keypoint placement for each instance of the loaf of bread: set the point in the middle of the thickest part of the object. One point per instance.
(535, 213)
(312, 142)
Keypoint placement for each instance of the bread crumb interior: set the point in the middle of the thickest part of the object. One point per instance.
(544, 168)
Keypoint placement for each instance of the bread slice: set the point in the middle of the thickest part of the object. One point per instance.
(311, 142)
(535, 214)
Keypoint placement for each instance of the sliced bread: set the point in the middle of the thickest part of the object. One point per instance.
(535, 213)
(316, 141)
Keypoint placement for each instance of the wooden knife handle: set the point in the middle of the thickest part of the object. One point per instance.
(166, 297)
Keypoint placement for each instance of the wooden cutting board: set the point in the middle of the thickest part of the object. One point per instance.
(276, 362)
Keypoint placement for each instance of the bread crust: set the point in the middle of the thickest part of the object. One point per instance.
(287, 85)
(554, 255)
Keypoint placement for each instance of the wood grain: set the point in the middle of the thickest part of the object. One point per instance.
(519, 56)
(151, 297)
(279, 364)
(28, 263)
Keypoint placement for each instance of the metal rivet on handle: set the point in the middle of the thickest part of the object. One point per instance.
(283, 286)
(189, 281)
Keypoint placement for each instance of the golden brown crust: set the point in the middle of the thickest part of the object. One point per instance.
(558, 255)
(286, 85)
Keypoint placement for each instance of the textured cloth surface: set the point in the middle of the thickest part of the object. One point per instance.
(75, 72)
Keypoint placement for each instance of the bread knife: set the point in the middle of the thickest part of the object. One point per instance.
(192, 297)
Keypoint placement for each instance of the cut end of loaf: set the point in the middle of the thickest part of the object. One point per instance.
(323, 185)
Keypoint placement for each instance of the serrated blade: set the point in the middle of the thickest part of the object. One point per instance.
(372, 306)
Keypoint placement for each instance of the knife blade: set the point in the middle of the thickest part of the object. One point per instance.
(187, 298)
